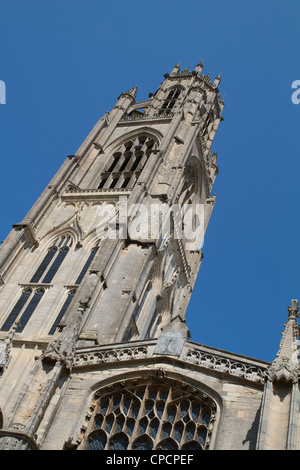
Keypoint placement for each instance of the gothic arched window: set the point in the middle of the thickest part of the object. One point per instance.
(62, 312)
(153, 326)
(127, 163)
(23, 309)
(170, 101)
(150, 416)
(53, 260)
(87, 265)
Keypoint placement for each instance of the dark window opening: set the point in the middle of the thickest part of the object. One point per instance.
(114, 182)
(137, 161)
(44, 265)
(86, 266)
(62, 312)
(30, 309)
(102, 183)
(116, 159)
(55, 265)
(170, 101)
(126, 182)
(16, 310)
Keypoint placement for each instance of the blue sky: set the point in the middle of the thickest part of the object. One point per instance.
(65, 62)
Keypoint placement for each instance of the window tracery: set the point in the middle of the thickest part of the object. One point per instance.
(24, 308)
(53, 260)
(170, 101)
(150, 416)
(127, 163)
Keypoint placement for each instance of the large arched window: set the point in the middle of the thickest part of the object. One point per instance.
(53, 260)
(164, 416)
(127, 163)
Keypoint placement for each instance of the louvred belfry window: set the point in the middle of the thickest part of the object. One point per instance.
(127, 163)
(150, 416)
(170, 101)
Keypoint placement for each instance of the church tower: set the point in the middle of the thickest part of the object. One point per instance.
(95, 352)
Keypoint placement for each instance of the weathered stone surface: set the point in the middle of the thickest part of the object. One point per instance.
(102, 333)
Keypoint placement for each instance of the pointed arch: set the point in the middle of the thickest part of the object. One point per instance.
(146, 414)
(24, 308)
(58, 249)
(127, 158)
(145, 130)
(71, 227)
(191, 182)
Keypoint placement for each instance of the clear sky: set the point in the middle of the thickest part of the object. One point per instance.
(65, 62)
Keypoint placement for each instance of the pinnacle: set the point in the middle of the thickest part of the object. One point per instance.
(294, 309)
(133, 91)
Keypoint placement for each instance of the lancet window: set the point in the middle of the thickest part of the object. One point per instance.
(72, 292)
(53, 260)
(62, 311)
(87, 265)
(23, 309)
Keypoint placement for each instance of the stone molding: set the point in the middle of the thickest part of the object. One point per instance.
(110, 355)
(282, 370)
(204, 358)
(154, 117)
(225, 365)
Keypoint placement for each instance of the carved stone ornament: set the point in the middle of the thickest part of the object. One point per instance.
(4, 356)
(294, 309)
(62, 348)
(282, 370)
(5, 347)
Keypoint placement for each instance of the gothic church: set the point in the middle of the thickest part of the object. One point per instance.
(95, 353)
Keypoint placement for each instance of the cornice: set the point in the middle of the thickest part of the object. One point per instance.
(202, 357)
(145, 117)
(94, 194)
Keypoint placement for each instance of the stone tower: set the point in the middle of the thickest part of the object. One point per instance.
(95, 283)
